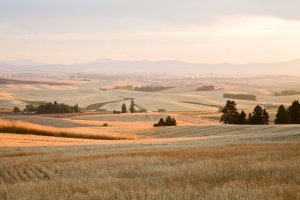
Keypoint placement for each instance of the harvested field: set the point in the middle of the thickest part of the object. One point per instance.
(175, 171)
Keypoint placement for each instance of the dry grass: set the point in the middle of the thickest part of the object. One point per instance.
(19, 127)
(248, 171)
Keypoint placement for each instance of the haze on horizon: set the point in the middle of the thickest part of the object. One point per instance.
(206, 31)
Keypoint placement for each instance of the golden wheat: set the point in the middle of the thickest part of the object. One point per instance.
(248, 171)
(19, 127)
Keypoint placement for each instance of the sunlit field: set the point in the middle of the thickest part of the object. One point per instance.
(189, 170)
(149, 100)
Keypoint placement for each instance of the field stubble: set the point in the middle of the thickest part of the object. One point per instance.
(248, 171)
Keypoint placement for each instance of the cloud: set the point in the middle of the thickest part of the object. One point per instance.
(102, 15)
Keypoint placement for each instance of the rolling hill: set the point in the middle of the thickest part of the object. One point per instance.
(157, 67)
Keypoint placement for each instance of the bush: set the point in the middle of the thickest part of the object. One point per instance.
(105, 125)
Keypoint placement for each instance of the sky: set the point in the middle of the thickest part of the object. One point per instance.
(199, 31)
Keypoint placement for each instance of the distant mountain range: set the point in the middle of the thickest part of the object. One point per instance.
(159, 67)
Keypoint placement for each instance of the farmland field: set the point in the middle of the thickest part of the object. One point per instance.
(181, 98)
(130, 159)
(231, 165)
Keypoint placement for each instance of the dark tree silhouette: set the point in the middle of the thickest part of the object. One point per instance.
(294, 113)
(259, 116)
(174, 122)
(242, 118)
(282, 116)
(230, 113)
(131, 108)
(266, 117)
(124, 109)
(168, 122)
(161, 122)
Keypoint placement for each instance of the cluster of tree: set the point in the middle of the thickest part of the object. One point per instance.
(291, 115)
(259, 116)
(161, 110)
(124, 87)
(206, 88)
(287, 93)
(152, 88)
(124, 108)
(167, 122)
(248, 97)
(48, 108)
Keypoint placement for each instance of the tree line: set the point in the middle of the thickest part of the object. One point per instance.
(230, 115)
(290, 115)
(260, 116)
(48, 108)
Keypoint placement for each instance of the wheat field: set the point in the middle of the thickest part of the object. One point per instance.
(181, 171)
(190, 161)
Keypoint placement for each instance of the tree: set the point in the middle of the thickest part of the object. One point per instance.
(30, 109)
(230, 113)
(16, 110)
(249, 118)
(76, 108)
(124, 109)
(174, 122)
(266, 117)
(242, 118)
(294, 113)
(168, 121)
(259, 116)
(282, 116)
(114, 112)
(131, 108)
(161, 122)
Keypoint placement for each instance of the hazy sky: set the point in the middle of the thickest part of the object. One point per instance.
(212, 31)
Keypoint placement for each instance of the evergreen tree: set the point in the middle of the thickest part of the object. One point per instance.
(282, 116)
(174, 122)
(124, 109)
(76, 108)
(114, 112)
(266, 117)
(230, 113)
(131, 108)
(168, 121)
(259, 116)
(161, 122)
(294, 113)
(242, 118)
(249, 118)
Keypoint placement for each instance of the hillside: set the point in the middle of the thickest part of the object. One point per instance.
(164, 66)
